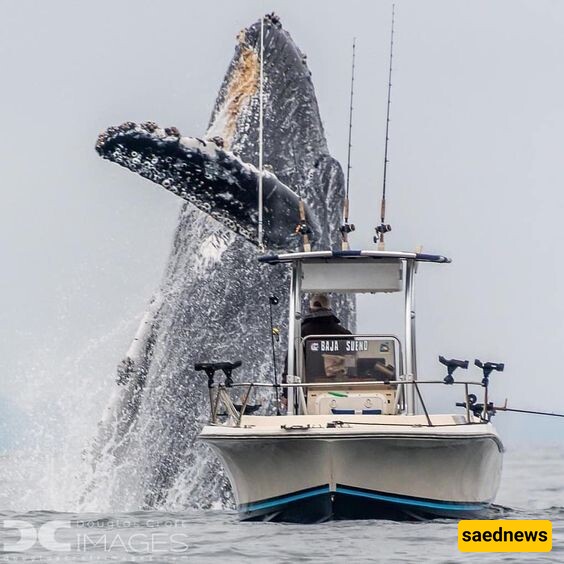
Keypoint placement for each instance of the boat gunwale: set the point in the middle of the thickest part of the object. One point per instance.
(332, 436)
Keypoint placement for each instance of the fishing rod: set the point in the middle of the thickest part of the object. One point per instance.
(302, 228)
(486, 411)
(260, 235)
(384, 228)
(527, 411)
(346, 228)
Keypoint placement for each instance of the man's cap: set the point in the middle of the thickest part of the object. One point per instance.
(319, 301)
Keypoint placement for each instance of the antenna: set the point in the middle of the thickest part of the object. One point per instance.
(384, 228)
(261, 126)
(274, 336)
(346, 228)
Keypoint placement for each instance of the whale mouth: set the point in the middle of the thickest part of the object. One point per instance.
(215, 180)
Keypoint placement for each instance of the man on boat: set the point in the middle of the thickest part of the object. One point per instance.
(321, 320)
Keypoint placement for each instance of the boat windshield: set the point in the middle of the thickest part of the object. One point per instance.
(350, 358)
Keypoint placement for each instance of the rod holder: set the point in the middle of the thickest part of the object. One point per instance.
(452, 364)
(210, 368)
(487, 368)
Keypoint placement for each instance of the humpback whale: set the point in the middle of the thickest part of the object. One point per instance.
(214, 298)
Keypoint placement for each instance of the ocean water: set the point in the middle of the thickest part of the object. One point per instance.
(532, 488)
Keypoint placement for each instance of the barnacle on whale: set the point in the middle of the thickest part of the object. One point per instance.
(219, 141)
(172, 131)
(149, 126)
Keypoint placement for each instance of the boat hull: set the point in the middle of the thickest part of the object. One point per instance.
(345, 503)
(322, 474)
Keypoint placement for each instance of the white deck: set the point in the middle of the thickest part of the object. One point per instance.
(322, 426)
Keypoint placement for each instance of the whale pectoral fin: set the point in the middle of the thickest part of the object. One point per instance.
(214, 180)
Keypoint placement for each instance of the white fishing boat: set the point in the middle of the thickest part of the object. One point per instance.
(357, 440)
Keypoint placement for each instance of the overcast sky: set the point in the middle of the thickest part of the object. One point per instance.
(476, 173)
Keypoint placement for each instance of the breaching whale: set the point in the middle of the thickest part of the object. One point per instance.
(214, 290)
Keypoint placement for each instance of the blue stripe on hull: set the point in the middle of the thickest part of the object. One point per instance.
(321, 504)
(276, 502)
(450, 505)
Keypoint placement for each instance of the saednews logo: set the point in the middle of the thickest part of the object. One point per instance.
(505, 536)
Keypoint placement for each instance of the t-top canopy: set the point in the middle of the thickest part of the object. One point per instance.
(291, 257)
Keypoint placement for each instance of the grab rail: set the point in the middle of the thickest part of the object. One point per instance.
(222, 395)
